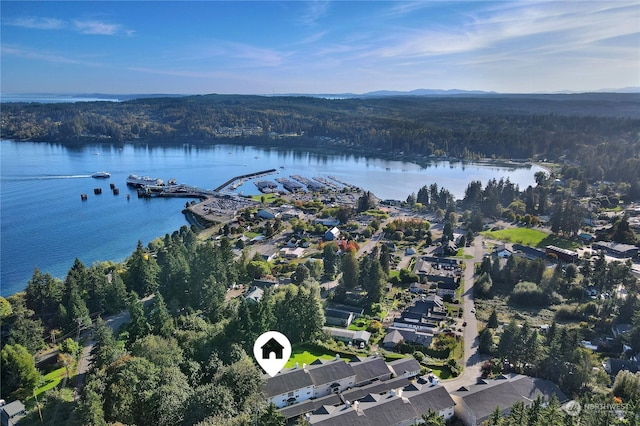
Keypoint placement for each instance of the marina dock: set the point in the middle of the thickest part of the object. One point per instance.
(235, 182)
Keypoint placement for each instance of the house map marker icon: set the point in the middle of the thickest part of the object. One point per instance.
(272, 351)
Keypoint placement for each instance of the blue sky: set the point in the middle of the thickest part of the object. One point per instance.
(270, 47)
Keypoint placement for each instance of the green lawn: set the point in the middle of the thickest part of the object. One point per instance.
(51, 380)
(306, 354)
(526, 236)
(530, 237)
(268, 198)
(442, 371)
(359, 324)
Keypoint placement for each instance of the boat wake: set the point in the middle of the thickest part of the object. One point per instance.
(44, 177)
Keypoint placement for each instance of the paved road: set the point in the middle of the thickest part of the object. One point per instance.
(472, 359)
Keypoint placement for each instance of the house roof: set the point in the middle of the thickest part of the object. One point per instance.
(483, 398)
(404, 365)
(330, 372)
(13, 408)
(427, 397)
(378, 387)
(336, 313)
(393, 336)
(287, 381)
(310, 405)
(370, 368)
(616, 365)
(388, 411)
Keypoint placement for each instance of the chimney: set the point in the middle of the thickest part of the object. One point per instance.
(304, 365)
(355, 406)
(399, 392)
(337, 356)
(296, 367)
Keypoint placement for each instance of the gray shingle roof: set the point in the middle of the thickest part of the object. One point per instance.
(330, 372)
(287, 381)
(375, 388)
(310, 405)
(370, 369)
(428, 397)
(400, 366)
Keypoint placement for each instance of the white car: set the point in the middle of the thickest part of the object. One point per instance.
(473, 310)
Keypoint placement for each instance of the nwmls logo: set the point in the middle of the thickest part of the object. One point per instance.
(573, 408)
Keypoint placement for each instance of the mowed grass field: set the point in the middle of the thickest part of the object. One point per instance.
(530, 237)
(526, 236)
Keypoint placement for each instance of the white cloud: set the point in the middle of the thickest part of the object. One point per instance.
(46, 56)
(96, 27)
(37, 23)
(315, 10)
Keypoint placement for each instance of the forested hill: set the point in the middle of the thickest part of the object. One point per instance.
(600, 131)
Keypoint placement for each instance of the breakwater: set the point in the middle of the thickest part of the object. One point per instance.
(241, 179)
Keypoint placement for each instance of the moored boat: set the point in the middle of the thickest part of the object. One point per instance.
(139, 181)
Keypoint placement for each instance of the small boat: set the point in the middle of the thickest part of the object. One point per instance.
(101, 175)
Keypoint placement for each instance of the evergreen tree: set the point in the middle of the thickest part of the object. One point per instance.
(330, 259)
(160, 321)
(138, 325)
(142, 273)
(493, 320)
(350, 270)
(271, 416)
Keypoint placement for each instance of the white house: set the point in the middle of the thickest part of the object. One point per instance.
(332, 234)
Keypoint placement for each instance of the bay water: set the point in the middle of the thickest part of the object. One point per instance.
(45, 224)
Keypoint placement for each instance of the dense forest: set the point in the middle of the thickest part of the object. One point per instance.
(598, 131)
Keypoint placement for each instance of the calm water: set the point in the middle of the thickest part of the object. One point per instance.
(44, 223)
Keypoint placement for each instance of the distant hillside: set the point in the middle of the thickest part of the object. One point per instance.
(600, 129)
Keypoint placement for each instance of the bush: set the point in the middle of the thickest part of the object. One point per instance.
(527, 294)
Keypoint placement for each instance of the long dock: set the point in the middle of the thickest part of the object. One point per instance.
(185, 191)
(241, 177)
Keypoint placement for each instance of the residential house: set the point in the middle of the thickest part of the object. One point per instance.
(614, 365)
(400, 406)
(405, 367)
(12, 413)
(332, 234)
(476, 403)
(396, 335)
(392, 339)
(267, 214)
(332, 377)
(254, 295)
(528, 252)
(446, 288)
(289, 386)
(265, 282)
(292, 253)
(620, 329)
(378, 387)
(502, 251)
(370, 370)
(348, 336)
(338, 317)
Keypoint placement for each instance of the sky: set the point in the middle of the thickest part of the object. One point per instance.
(282, 47)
